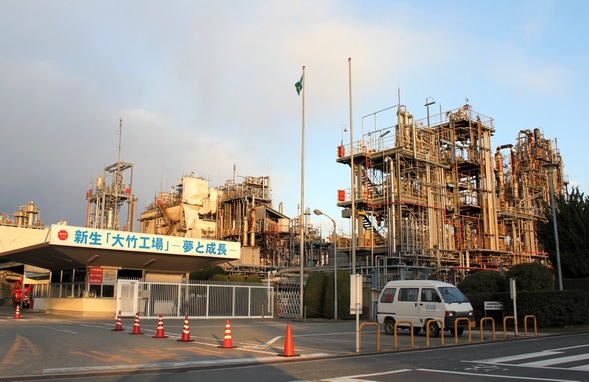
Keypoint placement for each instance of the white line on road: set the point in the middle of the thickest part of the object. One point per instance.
(556, 361)
(495, 376)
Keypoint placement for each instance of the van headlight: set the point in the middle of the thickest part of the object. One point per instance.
(450, 314)
(470, 313)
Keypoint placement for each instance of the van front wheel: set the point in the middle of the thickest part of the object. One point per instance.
(389, 326)
(460, 331)
(434, 329)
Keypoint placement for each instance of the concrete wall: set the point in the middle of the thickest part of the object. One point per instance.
(86, 307)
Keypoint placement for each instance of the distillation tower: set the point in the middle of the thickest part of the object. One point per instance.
(109, 195)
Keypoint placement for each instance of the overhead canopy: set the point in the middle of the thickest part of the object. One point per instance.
(65, 247)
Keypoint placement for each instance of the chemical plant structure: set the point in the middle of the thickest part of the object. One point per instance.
(432, 196)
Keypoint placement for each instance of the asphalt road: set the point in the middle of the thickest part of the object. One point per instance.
(40, 346)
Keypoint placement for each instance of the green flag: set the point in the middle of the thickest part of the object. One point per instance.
(299, 86)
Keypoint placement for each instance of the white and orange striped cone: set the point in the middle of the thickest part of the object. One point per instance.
(227, 340)
(136, 326)
(288, 344)
(185, 332)
(160, 329)
(17, 312)
(119, 324)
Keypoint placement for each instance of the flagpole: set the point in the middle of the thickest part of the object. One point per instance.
(302, 217)
(353, 170)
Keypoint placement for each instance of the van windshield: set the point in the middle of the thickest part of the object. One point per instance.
(452, 294)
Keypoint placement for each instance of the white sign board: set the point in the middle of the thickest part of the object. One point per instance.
(142, 242)
(493, 305)
(355, 294)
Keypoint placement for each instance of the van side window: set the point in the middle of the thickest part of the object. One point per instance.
(388, 295)
(408, 294)
(430, 295)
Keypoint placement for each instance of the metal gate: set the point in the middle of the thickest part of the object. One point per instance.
(203, 300)
(288, 300)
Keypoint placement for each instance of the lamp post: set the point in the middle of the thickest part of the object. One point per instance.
(318, 212)
(550, 167)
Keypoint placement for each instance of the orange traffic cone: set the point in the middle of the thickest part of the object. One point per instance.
(118, 325)
(227, 341)
(288, 344)
(185, 332)
(17, 312)
(160, 329)
(136, 327)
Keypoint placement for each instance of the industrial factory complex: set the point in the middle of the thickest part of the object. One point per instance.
(430, 197)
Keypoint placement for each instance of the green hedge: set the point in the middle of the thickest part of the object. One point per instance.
(343, 295)
(314, 294)
(551, 308)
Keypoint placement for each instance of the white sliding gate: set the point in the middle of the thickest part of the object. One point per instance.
(151, 299)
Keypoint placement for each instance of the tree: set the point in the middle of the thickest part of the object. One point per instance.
(482, 282)
(572, 218)
(531, 277)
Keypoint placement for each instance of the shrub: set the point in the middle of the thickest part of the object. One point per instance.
(218, 277)
(343, 295)
(314, 294)
(482, 282)
(531, 277)
(236, 277)
(207, 273)
(551, 308)
(253, 279)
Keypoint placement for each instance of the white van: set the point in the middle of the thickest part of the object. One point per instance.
(419, 301)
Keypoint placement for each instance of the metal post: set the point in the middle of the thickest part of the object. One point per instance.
(427, 105)
(550, 170)
(353, 192)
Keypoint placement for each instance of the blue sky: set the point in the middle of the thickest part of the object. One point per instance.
(202, 86)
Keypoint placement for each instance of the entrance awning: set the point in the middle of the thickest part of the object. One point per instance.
(65, 247)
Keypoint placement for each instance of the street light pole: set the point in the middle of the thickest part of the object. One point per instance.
(550, 167)
(318, 212)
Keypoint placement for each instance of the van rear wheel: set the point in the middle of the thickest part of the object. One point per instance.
(389, 326)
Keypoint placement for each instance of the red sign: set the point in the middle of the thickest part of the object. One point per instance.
(95, 276)
(62, 235)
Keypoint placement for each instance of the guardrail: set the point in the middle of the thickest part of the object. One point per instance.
(377, 334)
(456, 328)
(427, 330)
(410, 331)
(505, 319)
(526, 325)
(492, 326)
